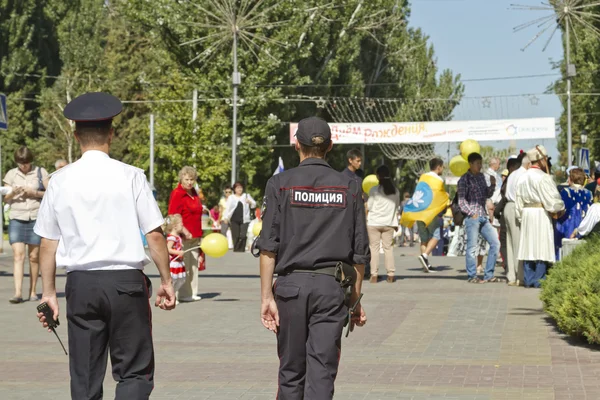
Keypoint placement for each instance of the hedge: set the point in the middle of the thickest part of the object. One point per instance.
(571, 292)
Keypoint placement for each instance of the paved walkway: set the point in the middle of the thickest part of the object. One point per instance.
(429, 336)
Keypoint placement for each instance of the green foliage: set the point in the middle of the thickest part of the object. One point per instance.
(571, 292)
(28, 52)
(52, 51)
(585, 55)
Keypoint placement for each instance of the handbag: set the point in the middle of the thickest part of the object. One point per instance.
(499, 210)
(457, 214)
(41, 187)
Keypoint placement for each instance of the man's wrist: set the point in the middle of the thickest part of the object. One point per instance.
(267, 296)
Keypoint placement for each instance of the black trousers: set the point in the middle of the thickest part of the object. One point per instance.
(109, 310)
(239, 233)
(311, 320)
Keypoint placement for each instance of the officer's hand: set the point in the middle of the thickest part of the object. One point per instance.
(53, 304)
(269, 315)
(359, 317)
(165, 297)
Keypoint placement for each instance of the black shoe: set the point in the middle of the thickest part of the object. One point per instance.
(424, 263)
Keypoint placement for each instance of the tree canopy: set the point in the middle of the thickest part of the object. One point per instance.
(155, 54)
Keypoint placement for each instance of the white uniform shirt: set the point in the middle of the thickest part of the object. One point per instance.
(96, 208)
(511, 184)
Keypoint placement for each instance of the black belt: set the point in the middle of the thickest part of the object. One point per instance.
(344, 273)
(323, 271)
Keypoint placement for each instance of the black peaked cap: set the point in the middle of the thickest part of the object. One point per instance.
(96, 106)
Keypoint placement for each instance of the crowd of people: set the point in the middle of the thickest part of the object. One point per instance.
(512, 216)
(518, 218)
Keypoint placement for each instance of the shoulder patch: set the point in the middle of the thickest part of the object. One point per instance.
(318, 197)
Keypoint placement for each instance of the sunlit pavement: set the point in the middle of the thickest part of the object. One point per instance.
(429, 336)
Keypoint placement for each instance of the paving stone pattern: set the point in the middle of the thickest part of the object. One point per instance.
(429, 336)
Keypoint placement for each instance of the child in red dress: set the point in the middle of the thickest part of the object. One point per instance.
(174, 229)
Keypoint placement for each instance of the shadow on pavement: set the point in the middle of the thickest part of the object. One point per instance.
(209, 295)
(440, 268)
(570, 340)
(527, 311)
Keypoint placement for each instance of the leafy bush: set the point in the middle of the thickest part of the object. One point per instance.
(571, 292)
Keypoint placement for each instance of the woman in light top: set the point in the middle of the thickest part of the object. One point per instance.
(27, 183)
(382, 222)
(237, 215)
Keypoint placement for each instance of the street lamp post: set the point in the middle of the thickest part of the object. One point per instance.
(236, 80)
(571, 13)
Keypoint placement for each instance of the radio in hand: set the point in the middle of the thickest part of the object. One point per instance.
(52, 324)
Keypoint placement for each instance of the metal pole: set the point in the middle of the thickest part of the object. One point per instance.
(235, 81)
(152, 151)
(194, 117)
(364, 158)
(569, 137)
(195, 108)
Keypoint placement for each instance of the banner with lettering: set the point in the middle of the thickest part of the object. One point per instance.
(435, 132)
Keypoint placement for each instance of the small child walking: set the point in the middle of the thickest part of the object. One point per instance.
(174, 229)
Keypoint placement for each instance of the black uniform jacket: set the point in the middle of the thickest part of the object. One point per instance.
(314, 218)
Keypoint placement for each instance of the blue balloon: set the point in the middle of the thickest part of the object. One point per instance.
(421, 199)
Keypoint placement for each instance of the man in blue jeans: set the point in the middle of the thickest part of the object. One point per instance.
(473, 192)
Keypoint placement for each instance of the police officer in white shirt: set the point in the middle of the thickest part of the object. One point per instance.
(95, 207)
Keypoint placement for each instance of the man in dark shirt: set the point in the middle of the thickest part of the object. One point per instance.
(473, 193)
(354, 159)
(353, 171)
(314, 221)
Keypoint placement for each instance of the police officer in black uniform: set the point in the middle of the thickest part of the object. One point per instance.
(314, 238)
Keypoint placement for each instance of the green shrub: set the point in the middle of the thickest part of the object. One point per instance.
(571, 292)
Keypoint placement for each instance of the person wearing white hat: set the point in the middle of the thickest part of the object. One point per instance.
(538, 200)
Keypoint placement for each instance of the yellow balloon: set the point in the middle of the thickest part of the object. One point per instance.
(369, 182)
(469, 146)
(458, 166)
(257, 228)
(214, 245)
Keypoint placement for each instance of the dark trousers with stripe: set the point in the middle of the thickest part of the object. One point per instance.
(311, 320)
(109, 310)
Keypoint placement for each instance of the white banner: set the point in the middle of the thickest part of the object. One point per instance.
(435, 132)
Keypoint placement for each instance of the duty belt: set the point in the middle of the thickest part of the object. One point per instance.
(323, 271)
(344, 273)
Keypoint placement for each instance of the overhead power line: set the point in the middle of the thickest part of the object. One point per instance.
(308, 85)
